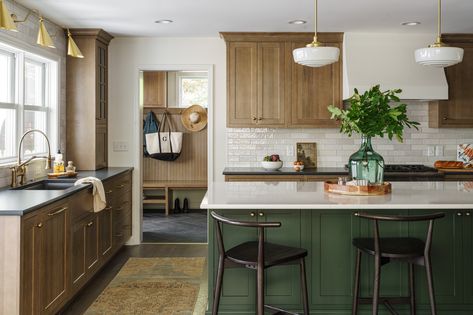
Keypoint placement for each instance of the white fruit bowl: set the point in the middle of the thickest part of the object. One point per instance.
(271, 166)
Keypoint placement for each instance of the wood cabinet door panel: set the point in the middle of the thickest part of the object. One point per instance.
(92, 242)
(467, 250)
(101, 145)
(154, 88)
(78, 265)
(271, 100)
(54, 258)
(105, 231)
(312, 90)
(242, 84)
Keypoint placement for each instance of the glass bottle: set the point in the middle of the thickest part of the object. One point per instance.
(366, 163)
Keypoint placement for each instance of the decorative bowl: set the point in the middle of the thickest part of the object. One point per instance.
(271, 166)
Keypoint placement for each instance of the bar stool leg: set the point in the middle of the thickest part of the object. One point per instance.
(430, 283)
(305, 295)
(412, 293)
(218, 286)
(356, 290)
(377, 279)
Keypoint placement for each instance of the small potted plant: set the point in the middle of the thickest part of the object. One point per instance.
(370, 114)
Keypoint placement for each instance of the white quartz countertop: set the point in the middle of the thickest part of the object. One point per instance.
(311, 195)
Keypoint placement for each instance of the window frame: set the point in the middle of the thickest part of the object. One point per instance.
(50, 95)
(182, 75)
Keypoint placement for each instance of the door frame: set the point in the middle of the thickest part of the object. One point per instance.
(138, 136)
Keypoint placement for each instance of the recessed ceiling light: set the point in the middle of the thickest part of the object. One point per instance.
(410, 23)
(163, 21)
(297, 22)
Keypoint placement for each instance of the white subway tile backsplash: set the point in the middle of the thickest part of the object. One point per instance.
(246, 147)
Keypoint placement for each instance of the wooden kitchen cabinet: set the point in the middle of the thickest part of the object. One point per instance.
(45, 262)
(63, 245)
(267, 89)
(457, 111)
(87, 100)
(154, 88)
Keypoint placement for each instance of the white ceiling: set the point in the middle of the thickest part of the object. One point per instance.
(208, 17)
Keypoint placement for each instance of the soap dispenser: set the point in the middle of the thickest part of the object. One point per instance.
(58, 163)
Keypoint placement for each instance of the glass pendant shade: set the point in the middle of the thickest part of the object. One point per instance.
(439, 56)
(316, 56)
(72, 49)
(6, 21)
(43, 36)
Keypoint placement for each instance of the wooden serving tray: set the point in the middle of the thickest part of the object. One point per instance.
(63, 174)
(371, 190)
(456, 170)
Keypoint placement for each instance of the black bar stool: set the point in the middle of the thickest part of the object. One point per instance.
(257, 255)
(411, 250)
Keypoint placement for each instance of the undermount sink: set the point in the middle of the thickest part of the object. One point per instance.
(47, 184)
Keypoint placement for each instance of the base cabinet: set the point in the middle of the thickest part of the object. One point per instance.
(327, 235)
(64, 244)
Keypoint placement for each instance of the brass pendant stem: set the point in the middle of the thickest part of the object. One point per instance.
(315, 20)
(439, 21)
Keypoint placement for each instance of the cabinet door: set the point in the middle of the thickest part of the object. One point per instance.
(105, 231)
(238, 289)
(101, 79)
(53, 258)
(467, 219)
(31, 245)
(312, 90)
(271, 109)
(92, 243)
(283, 282)
(242, 69)
(332, 256)
(457, 111)
(101, 145)
(154, 88)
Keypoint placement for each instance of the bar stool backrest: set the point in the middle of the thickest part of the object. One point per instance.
(400, 218)
(219, 220)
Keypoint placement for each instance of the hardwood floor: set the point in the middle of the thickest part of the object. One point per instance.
(92, 290)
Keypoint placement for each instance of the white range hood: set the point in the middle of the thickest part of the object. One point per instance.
(388, 60)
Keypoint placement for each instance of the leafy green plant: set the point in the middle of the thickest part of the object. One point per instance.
(371, 114)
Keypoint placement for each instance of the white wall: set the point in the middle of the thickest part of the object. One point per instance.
(126, 56)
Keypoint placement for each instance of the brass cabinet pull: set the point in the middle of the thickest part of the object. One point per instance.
(254, 118)
(108, 208)
(252, 214)
(356, 214)
(261, 214)
(90, 223)
(121, 186)
(260, 118)
(57, 212)
(445, 118)
(119, 235)
(459, 214)
(109, 192)
(40, 225)
(467, 213)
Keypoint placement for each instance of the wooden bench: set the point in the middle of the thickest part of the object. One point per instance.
(168, 187)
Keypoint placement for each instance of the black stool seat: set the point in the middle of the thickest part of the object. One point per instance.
(274, 254)
(392, 247)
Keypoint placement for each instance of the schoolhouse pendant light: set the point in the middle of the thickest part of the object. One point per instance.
(439, 54)
(43, 36)
(6, 20)
(314, 54)
(72, 49)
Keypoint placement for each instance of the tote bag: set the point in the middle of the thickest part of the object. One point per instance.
(164, 145)
(150, 125)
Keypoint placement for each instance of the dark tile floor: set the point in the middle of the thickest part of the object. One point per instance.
(175, 228)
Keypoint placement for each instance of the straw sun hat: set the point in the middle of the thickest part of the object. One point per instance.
(194, 118)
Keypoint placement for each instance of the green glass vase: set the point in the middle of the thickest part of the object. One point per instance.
(366, 164)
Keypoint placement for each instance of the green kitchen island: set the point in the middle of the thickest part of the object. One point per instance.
(324, 224)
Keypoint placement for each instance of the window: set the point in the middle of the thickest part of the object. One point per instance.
(28, 100)
(193, 88)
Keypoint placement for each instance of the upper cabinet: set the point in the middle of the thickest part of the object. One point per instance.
(266, 88)
(457, 111)
(154, 88)
(87, 100)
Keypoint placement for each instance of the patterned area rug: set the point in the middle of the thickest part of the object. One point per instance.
(168, 286)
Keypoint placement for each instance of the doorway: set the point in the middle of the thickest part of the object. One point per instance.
(173, 190)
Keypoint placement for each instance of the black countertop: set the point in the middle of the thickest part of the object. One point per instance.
(331, 171)
(20, 202)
